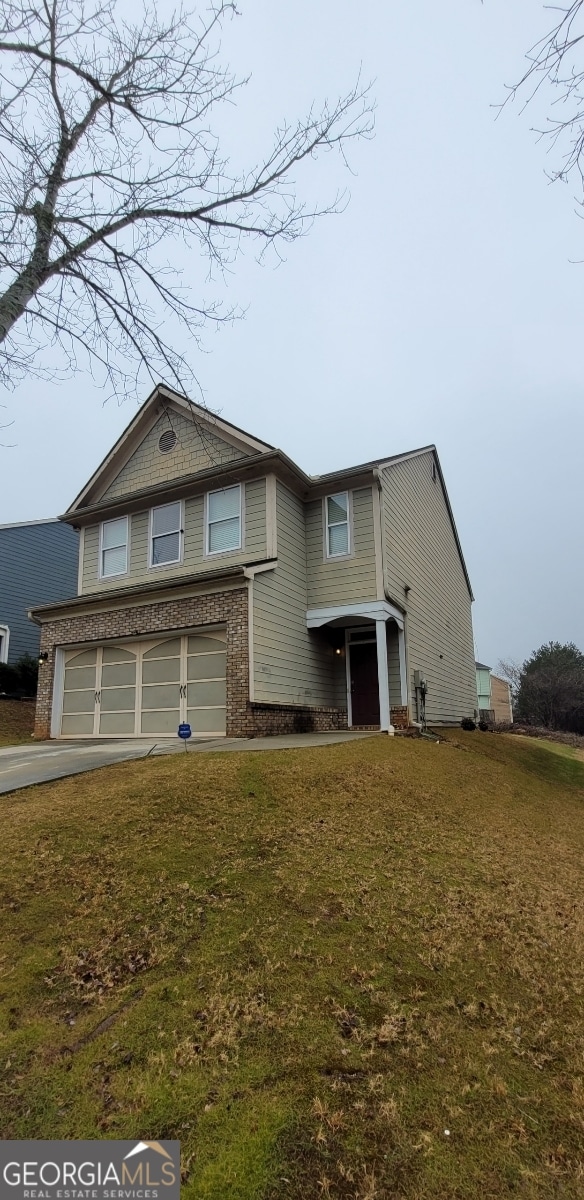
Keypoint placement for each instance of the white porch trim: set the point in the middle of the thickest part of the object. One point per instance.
(5, 635)
(385, 724)
(403, 671)
(374, 610)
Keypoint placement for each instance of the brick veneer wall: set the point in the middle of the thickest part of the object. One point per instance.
(294, 718)
(226, 608)
(400, 717)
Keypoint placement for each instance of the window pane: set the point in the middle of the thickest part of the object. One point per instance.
(224, 504)
(166, 549)
(166, 519)
(114, 533)
(339, 539)
(224, 535)
(114, 561)
(337, 507)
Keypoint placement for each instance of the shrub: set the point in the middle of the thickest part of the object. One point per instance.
(19, 678)
(484, 726)
(9, 679)
(467, 723)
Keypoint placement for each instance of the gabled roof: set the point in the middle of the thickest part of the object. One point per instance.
(161, 398)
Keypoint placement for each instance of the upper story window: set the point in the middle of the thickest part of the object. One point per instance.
(223, 520)
(166, 534)
(337, 525)
(113, 554)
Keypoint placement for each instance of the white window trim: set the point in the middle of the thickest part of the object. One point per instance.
(114, 574)
(234, 549)
(349, 552)
(152, 566)
(5, 635)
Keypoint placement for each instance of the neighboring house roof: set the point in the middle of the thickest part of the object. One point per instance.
(93, 500)
(482, 666)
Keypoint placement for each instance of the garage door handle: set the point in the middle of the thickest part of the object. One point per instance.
(98, 697)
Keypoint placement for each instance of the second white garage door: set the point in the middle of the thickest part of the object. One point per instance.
(146, 688)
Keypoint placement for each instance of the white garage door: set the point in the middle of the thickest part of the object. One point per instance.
(146, 688)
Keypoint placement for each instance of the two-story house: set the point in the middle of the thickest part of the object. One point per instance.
(221, 585)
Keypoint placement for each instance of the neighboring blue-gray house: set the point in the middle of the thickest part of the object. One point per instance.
(38, 565)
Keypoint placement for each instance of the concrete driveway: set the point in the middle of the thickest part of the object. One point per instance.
(23, 766)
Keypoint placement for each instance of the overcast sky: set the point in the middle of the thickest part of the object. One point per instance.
(444, 305)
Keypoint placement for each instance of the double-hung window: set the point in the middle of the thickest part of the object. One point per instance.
(223, 520)
(337, 525)
(166, 534)
(113, 553)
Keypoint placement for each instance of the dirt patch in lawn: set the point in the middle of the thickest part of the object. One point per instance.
(16, 721)
(352, 971)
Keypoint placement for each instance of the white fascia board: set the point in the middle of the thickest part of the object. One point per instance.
(259, 568)
(375, 610)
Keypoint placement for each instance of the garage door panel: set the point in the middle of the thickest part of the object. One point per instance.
(117, 654)
(197, 644)
(118, 675)
(206, 720)
(82, 658)
(161, 695)
(160, 722)
(204, 694)
(206, 666)
(80, 677)
(77, 724)
(79, 702)
(118, 699)
(161, 670)
(171, 648)
(117, 723)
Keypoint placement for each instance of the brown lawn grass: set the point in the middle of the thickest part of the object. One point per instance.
(16, 721)
(307, 966)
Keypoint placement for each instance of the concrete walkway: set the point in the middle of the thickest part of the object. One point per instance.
(23, 766)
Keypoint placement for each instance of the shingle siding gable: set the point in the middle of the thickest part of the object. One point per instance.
(197, 449)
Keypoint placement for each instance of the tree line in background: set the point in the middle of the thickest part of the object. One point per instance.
(548, 689)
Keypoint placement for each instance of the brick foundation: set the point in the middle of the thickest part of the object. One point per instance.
(294, 718)
(400, 717)
(229, 608)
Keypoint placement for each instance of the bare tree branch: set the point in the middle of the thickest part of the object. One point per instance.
(107, 152)
(557, 60)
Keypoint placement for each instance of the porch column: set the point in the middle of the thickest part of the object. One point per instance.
(383, 678)
(403, 674)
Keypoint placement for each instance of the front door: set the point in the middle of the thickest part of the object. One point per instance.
(364, 684)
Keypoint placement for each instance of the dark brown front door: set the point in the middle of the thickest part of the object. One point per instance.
(364, 684)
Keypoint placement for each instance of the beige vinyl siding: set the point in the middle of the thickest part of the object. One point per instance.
(194, 559)
(420, 552)
(197, 449)
(340, 581)
(291, 664)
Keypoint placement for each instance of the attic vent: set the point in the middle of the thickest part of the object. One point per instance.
(434, 471)
(167, 441)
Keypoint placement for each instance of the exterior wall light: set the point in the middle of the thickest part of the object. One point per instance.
(43, 657)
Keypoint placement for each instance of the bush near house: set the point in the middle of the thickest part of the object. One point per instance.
(19, 678)
(352, 972)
